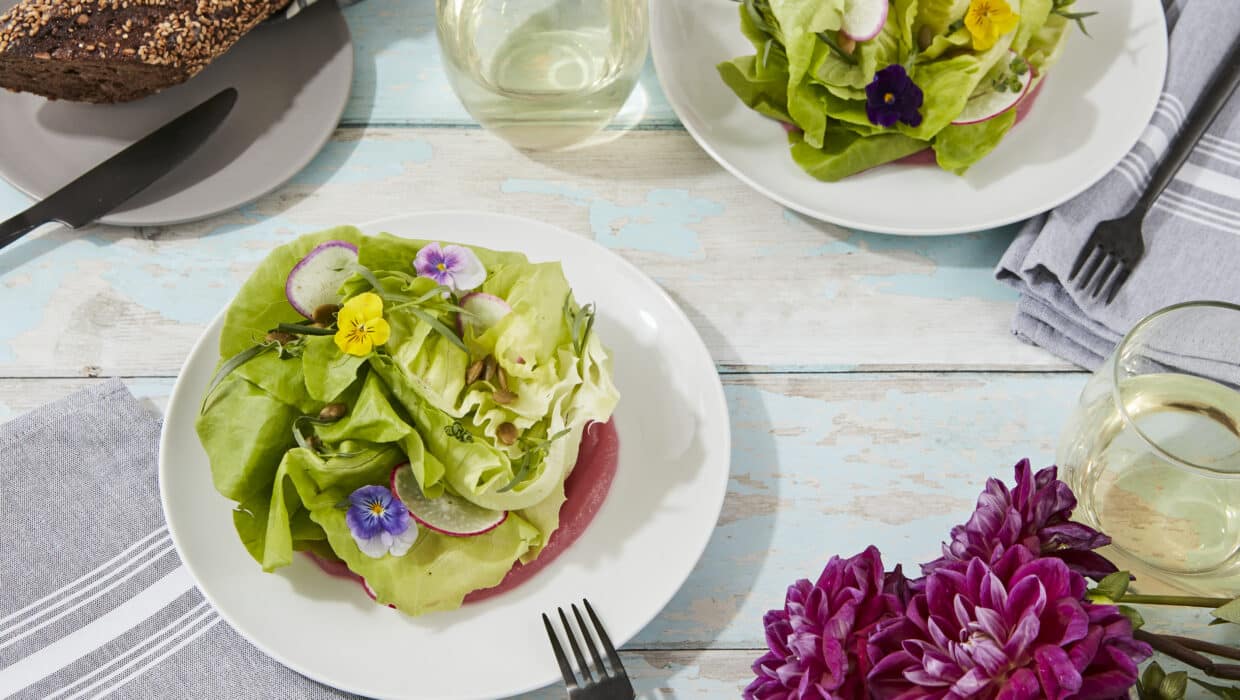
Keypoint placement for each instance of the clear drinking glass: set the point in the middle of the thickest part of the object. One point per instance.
(543, 74)
(1153, 450)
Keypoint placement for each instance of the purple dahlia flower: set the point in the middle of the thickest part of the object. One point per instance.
(818, 640)
(1035, 515)
(1017, 629)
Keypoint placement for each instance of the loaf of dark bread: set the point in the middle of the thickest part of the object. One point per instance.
(118, 50)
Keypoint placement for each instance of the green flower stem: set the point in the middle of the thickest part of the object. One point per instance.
(1171, 646)
(1186, 601)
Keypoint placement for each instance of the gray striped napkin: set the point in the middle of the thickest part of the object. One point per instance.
(94, 601)
(1192, 235)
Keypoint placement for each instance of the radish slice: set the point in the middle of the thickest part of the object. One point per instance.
(992, 103)
(864, 19)
(316, 279)
(448, 514)
(486, 309)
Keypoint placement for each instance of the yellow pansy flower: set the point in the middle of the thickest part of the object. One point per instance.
(361, 325)
(987, 20)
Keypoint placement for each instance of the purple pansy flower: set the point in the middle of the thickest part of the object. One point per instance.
(1035, 515)
(453, 266)
(893, 97)
(818, 641)
(380, 523)
(1017, 629)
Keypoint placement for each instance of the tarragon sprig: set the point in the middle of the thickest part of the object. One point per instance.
(1063, 8)
(535, 452)
(580, 322)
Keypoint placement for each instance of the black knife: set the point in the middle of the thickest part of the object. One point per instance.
(114, 181)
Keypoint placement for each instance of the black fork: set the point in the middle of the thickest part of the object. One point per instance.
(1116, 246)
(597, 683)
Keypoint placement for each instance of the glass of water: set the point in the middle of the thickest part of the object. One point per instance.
(543, 74)
(1153, 450)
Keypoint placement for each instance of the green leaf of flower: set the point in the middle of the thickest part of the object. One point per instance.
(1229, 612)
(1133, 616)
(1220, 691)
(1174, 685)
(1151, 679)
(1110, 589)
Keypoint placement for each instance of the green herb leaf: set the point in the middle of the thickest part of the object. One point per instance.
(1220, 691)
(535, 451)
(440, 328)
(1229, 612)
(227, 368)
(837, 49)
(298, 329)
(1110, 589)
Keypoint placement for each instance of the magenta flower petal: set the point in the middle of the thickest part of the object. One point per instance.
(817, 644)
(1034, 514)
(1036, 639)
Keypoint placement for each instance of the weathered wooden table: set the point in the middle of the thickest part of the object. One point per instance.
(872, 380)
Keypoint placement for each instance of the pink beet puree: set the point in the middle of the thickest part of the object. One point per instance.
(584, 491)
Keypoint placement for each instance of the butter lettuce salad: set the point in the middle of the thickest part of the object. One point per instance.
(409, 409)
(859, 83)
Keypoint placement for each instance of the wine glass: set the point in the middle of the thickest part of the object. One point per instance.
(1153, 450)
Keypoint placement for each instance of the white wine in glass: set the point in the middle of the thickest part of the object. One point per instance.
(543, 74)
(1153, 450)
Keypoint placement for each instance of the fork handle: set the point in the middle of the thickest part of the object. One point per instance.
(1224, 81)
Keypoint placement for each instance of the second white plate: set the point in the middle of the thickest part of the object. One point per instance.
(641, 546)
(1092, 109)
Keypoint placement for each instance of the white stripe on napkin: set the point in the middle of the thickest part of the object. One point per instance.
(201, 614)
(111, 689)
(74, 584)
(142, 567)
(90, 637)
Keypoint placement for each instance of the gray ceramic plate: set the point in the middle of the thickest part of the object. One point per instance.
(293, 78)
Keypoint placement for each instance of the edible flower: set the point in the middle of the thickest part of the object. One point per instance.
(893, 97)
(452, 266)
(1017, 629)
(361, 325)
(1035, 514)
(380, 524)
(987, 20)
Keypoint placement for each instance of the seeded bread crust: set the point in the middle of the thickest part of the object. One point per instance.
(118, 50)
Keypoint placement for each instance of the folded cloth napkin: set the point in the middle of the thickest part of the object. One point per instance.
(93, 598)
(1192, 236)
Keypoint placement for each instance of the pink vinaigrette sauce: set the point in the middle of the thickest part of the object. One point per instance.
(585, 490)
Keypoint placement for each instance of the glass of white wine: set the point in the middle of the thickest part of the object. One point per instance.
(543, 74)
(1153, 450)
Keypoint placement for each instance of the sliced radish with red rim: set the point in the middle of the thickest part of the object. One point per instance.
(316, 279)
(449, 514)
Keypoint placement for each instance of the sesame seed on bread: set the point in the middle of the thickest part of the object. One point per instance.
(118, 50)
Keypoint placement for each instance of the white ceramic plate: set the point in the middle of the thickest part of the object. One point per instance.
(1093, 107)
(642, 545)
(293, 81)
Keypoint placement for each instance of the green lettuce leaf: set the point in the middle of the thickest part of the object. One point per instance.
(1033, 16)
(958, 147)
(327, 371)
(244, 433)
(1046, 45)
(847, 153)
(936, 15)
(905, 12)
(260, 304)
(763, 89)
(948, 83)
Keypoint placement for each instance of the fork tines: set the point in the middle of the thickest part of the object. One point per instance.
(597, 681)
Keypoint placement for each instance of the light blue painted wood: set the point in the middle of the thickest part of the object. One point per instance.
(399, 77)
